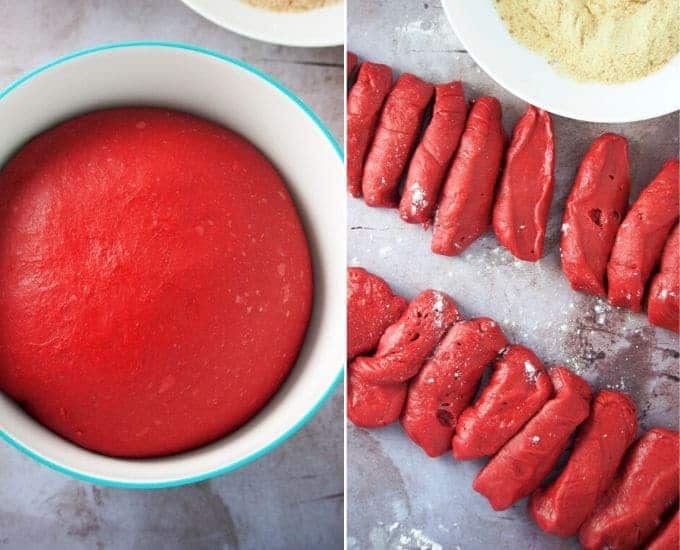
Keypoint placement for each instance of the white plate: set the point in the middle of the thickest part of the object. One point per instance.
(249, 102)
(312, 28)
(530, 77)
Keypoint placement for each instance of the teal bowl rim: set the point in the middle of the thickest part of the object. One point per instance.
(315, 409)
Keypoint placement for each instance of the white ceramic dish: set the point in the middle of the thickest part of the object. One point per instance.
(242, 98)
(530, 77)
(313, 28)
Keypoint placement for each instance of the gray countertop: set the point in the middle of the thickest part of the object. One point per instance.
(398, 497)
(291, 498)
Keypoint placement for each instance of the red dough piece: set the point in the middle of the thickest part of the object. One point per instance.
(663, 307)
(371, 405)
(518, 388)
(433, 155)
(464, 211)
(519, 467)
(641, 237)
(155, 281)
(668, 537)
(602, 441)
(525, 191)
(371, 308)
(377, 387)
(352, 61)
(407, 343)
(594, 209)
(448, 381)
(633, 506)
(364, 102)
(394, 139)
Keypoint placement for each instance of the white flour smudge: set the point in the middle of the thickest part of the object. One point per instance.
(418, 200)
(416, 538)
(385, 251)
(438, 308)
(530, 371)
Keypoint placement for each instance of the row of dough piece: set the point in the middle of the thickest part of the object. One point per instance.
(422, 364)
(458, 173)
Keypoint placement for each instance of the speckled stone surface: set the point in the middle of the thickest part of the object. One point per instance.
(291, 498)
(398, 497)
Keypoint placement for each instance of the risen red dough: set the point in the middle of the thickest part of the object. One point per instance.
(668, 537)
(371, 308)
(448, 382)
(521, 211)
(518, 388)
(376, 388)
(364, 102)
(406, 344)
(394, 139)
(601, 443)
(594, 210)
(464, 211)
(641, 237)
(155, 281)
(433, 154)
(371, 405)
(663, 306)
(645, 488)
(519, 467)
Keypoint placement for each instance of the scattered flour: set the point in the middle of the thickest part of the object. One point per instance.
(600, 312)
(385, 251)
(530, 371)
(418, 200)
(417, 539)
(438, 308)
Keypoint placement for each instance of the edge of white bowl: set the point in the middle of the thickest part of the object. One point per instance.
(331, 388)
(262, 34)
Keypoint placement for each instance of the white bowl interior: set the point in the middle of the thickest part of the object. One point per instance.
(250, 105)
(313, 28)
(530, 77)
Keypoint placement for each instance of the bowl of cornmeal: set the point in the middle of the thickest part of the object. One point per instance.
(304, 23)
(593, 60)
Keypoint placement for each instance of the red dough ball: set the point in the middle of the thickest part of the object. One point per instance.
(663, 306)
(520, 466)
(155, 281)
(640, 240)
(448, 381)
(371, 405)
(565, 504)
(371, 308)
(595, 207)
(517, 390)
(645, 489)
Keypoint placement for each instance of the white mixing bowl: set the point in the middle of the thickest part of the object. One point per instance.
(249, 102)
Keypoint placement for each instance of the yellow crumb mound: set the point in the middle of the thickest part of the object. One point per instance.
(598, 40)
(291, 5)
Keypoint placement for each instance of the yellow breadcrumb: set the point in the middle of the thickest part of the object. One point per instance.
(291, 5)
(597, 40)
